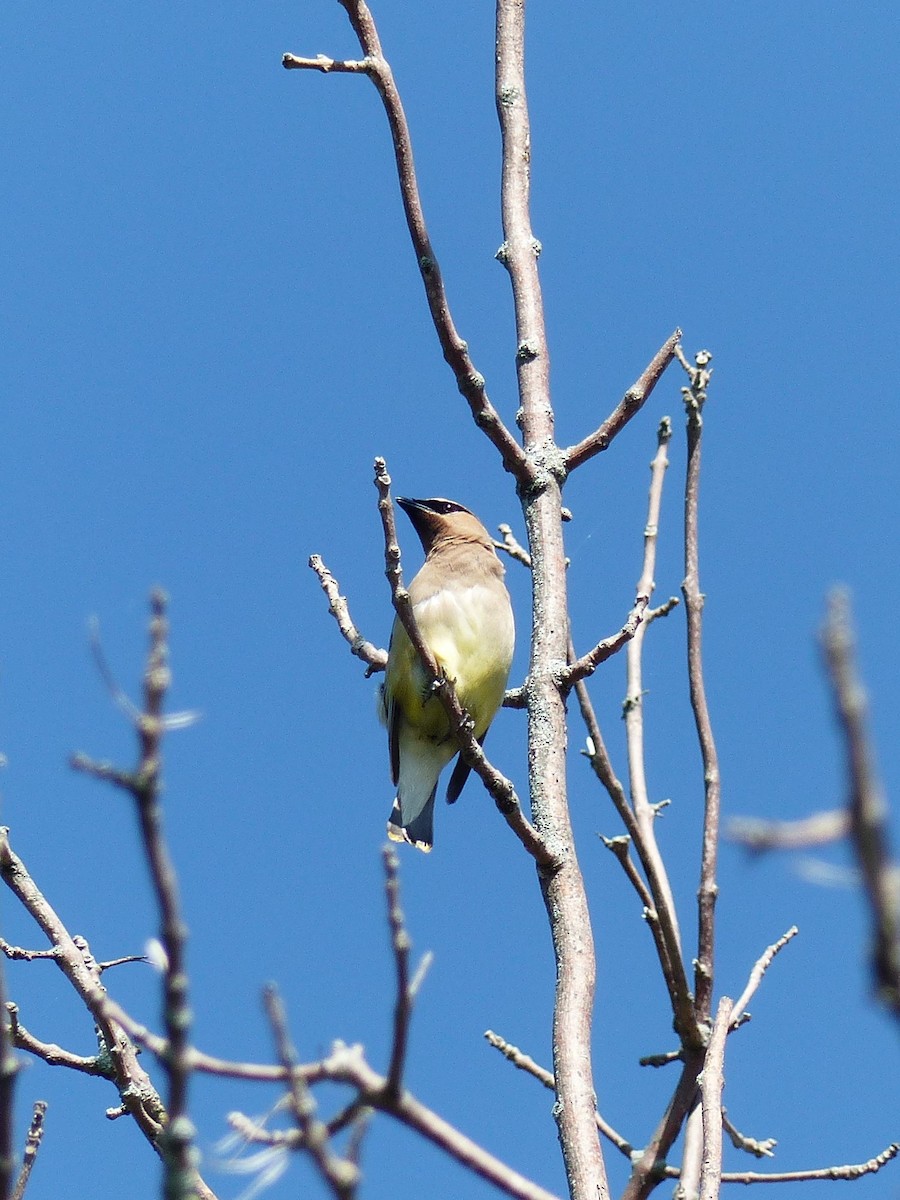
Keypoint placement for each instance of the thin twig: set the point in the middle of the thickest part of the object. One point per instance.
(694, 400)
(405, 988)
(633, 709)
(132, 1081)
(630, 404)
(868, 811)
(669, 955)
(760, 968)
(525, 1063)
(711, 1083)
(456, 353)
(510, 545)
(499, 787)
(145, 786)
(341, 1177)
(50, 1053)
(375, 658)
(585, 666)
(32, 1146)
(854, 1171)
(759, 1148)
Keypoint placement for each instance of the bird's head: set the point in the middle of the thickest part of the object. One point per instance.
(438, 520)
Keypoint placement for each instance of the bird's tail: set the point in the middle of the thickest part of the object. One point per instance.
(419, 831)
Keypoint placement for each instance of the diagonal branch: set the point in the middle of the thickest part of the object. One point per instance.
(630, 404)
(456, 353)
(375, 658)
(32, 1146)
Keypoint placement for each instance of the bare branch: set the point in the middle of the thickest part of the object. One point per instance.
(711, 1083)
(49, 1052)
(630, 404)
(868, 812)
(346, 66)
(764, 1148)
(639, 820)
(582, 667)
(499, 787)
(525, 1063)
(694, 400)
(762, 965)
(456, 353)
(9, 1069)
(145, 785)
(400, 944)
(375, 658)
(670, 955)
(32, 1146)
(341, 1177)
(511, 546)
(855, 1171)
(134, 1085)
(817, 830)
(563, 890)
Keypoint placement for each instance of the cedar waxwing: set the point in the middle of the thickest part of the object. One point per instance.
(463, 611)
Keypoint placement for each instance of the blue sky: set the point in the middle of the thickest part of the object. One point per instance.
(212, 322)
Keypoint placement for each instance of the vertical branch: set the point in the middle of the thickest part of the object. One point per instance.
(694, 399)
(8, 1069)
(177, 1138)
(644, 812)
(563, 887)
(711, 1083)
(868, 814)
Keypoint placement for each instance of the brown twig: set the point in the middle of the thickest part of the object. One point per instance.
(375, 658)
(510, 545)
(762, 965)
(340, 1176)
(670, 955)
(868, 812)
(499, 787)
(525, 1063)
(585, 666)
(456, 353)
(49, 1052)
(711, 1083)
(694, 399)
(134, 1085)
(406, 987)
(854, 1171)
(32, 1146)
(639, 819)
(144, 785)
(630, 404)
(759, 1148)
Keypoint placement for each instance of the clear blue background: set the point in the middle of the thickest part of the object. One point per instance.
(212, 321)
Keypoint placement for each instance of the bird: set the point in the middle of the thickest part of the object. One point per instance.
(464, 613)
